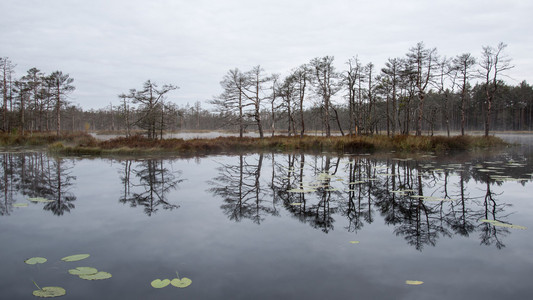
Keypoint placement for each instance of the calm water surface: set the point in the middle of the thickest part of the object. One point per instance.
(265, 226)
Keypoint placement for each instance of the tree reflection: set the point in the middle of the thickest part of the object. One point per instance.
(421, 199)
(36, 175)
(149, 186)
(492, 210)
(241, 190)
(58, 188)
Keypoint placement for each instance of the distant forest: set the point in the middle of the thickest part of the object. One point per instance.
(419, 93)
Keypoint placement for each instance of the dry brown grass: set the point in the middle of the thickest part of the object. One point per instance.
(81, 143)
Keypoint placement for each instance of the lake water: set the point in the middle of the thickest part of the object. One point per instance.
(271, 225)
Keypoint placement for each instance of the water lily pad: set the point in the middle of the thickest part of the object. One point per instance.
(158, 283)
(98, 276)
(83, 271)
(40, 199)
(500, 224)
(50, 292)
(413, 282)
(75, 257)
(354, 242)
(35, 260)
(300, 190)
(437, 199)
(181, 283)
(20, 205)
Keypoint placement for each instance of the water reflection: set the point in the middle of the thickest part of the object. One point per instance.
(240, 188)
(149, 186)
(36, 176)
(422, 199)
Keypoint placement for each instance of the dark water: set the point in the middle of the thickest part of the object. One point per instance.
(240, 228)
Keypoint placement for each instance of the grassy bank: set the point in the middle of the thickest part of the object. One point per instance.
(43, 139)
(81, 143)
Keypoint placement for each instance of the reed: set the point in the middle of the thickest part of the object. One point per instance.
(84, 144)
(45, 139)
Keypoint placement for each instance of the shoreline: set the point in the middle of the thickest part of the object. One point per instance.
(86, 144)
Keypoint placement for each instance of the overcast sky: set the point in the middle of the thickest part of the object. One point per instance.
(111, 46)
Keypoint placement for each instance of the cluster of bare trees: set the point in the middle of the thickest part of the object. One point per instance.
(34, 101)
(153, 114)
(419, 92)
(397, 94)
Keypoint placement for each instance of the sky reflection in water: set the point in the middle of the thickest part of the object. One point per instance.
(263, 226)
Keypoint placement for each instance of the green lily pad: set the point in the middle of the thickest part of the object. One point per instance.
(354, 242)
(83, 271)
(437, 199)
(35, 260)
(158, 283)
(413, 282)
(40, 199)
(50, 292)
(181, 283)
(20, 205)
(98, 276)
(300, 190)
(75, 257)
(498, 223)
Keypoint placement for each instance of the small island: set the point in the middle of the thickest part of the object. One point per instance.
(85, 144)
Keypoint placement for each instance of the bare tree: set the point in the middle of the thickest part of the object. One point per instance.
(62, 86)
(126, 110)
(303, 76)
(370, 117)
(273, 96)
(34, 80)
(7, 71)
(325, 84)
(445, 84)
(463, 64)
(493, 63)
(232, 98)
(350, 80)
(422, 62)
(254, 92)
(288, 92)
(151, 98)
(392, 72)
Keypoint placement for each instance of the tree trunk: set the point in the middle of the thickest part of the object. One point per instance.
(58, 108)
(421, 97)
(338, 121)
(327, 117)
(241, 121)
(488, 115)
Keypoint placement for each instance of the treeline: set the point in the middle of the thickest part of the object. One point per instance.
(35, 101)
(418, 93)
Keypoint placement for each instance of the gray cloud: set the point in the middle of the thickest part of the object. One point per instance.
(109, 47)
